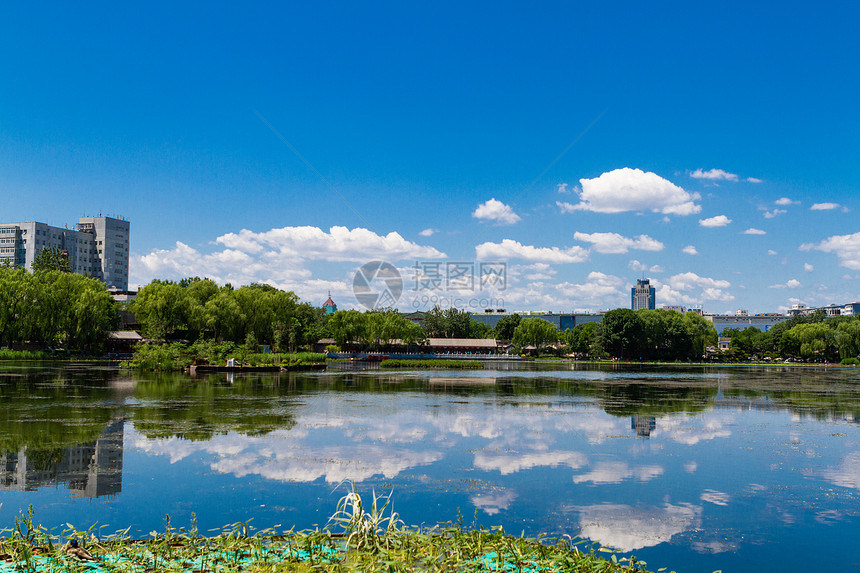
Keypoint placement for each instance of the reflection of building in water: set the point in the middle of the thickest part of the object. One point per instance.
(643, 425)
(93, 469)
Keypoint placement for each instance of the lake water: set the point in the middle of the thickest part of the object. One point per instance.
(695, 469)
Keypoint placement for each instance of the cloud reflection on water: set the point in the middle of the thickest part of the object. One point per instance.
(627, 528)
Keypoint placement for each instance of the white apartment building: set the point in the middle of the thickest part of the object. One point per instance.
(97, 247)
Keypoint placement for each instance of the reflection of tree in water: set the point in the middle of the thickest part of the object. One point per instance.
(646, 399)
(198, 409)
(48, 410)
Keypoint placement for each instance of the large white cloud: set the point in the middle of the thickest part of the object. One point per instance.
(845, 247)
(494, 210)
(617, 244)
(629, 189)
(278, 257)
(629, 528)
(598, 288)
(510, 249)
(690, 288)
(338, 244)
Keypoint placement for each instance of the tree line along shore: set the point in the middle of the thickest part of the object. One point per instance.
(51, 309)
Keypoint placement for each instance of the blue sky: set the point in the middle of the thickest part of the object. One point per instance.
(711, 148)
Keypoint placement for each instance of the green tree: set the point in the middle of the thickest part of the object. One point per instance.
(535, 332)
(51, 259)
(848, 338)
(583, 340)
(622, 333)
(505, 327)
(162, 308)
(448, 323)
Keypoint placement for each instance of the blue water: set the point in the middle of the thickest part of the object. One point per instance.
(690, 469)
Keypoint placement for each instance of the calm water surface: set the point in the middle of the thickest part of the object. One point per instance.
(692, 469)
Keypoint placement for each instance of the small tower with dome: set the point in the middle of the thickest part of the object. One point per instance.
(329, 305)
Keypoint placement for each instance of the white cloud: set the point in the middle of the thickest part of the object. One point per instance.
(774, 213)
(563, 189)
(339, 244)
(846, 248)
(689, 281)
(493, 503)
(598, 288)
(629, 528)
(808, 268)
(510, 249)
(715, 497)
(428, 232)
(714, 175)
(690, 250)
(497, 211)
(785, 201)
(617, 244)
(771, 252)
(616, 472)
(718, 221)
(628, 189)
(753, 180)
(847, 474)
(692, 431)
(533, 272)
(790, 283)
(640, 267)
(824, 206)
(689, 288)
(277, 257)
(508, 464)
(753, 231)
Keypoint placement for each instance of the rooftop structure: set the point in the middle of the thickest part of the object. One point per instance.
(329, 305)
(97, 247)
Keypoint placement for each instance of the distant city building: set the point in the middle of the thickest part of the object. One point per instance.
(643, 295)
(97, 247)
(329, 305)
(680, 309)
(763, 322)
(850, 309)
(562, 321)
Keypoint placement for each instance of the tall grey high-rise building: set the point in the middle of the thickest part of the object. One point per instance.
(97, 247)
(643, 295)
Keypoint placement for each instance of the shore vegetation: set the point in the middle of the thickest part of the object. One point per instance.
(357, 538)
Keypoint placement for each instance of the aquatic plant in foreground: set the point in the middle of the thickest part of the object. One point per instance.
(373, 540)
